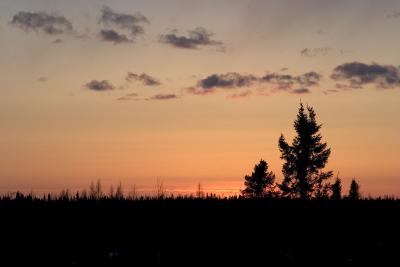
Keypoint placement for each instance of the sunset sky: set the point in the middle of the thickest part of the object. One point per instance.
(194, 91)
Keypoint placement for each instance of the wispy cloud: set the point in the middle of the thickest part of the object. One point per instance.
(131, 96)
(292, 82)
(144, 78)
(234, 80)
(163, 97)
(99, 86)
(195, 39)
(241, 95)
(114, 37)
(313, 52)
(133, 23)
(393, 15)
(300, 91)
(228, 80)
(43, 23)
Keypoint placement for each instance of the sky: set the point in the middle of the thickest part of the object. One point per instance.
(189, 92)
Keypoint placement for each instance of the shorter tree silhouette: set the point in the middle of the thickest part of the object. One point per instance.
(337, 189)
(199, 191)
(95, 190)
(260, 183)
(159, 189)
(354, 192)
(119, 192)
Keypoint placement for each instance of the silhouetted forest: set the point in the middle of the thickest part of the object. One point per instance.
(208, 230)
(304, 220)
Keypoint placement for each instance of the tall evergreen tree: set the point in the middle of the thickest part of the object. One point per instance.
(260, 183)
(305, 158)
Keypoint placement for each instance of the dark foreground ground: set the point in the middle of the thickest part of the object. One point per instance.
(195, 231)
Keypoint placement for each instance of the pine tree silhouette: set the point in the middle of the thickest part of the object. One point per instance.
(337, 189)
(305, 158)
(260, 183)
(354, 192)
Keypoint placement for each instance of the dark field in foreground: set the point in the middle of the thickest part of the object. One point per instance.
(195, 231)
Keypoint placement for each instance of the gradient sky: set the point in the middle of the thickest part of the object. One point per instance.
(212, 85)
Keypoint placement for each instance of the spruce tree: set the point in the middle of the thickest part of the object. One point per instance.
(305, 158)
(337, 189)
(354, 192)
(260, 183)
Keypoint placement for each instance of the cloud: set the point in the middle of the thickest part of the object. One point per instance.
(42, 79)
(163, 97)
(289, 82)
(313, 52)
(323, 51)
(99, 86)
(234, 80)
(228, 80)
(199, 91)
(301, 91)
(244, 94)
(57, 41)
(41, 22)
(358, 74)
(144, 78)
(130, 22)
(114, 37)
(131, 96)
(393, 15)
(197, 37)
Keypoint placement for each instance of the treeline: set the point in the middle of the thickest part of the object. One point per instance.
(96, 193)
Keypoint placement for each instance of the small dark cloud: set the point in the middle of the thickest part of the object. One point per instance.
(309, 78)
(244, 94)
(313, 52)
(42, 79)
(320, 32)
(301, 91)
(393, 15)
(57, 41)
(163, 97)
(99, 86)
(131, 96)
(114, 37)
(289, 82)
(144, 78)
(41, 22)
(130, 22)
(358, 74)
(197, 37)
(284, 69)
(228, 80)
